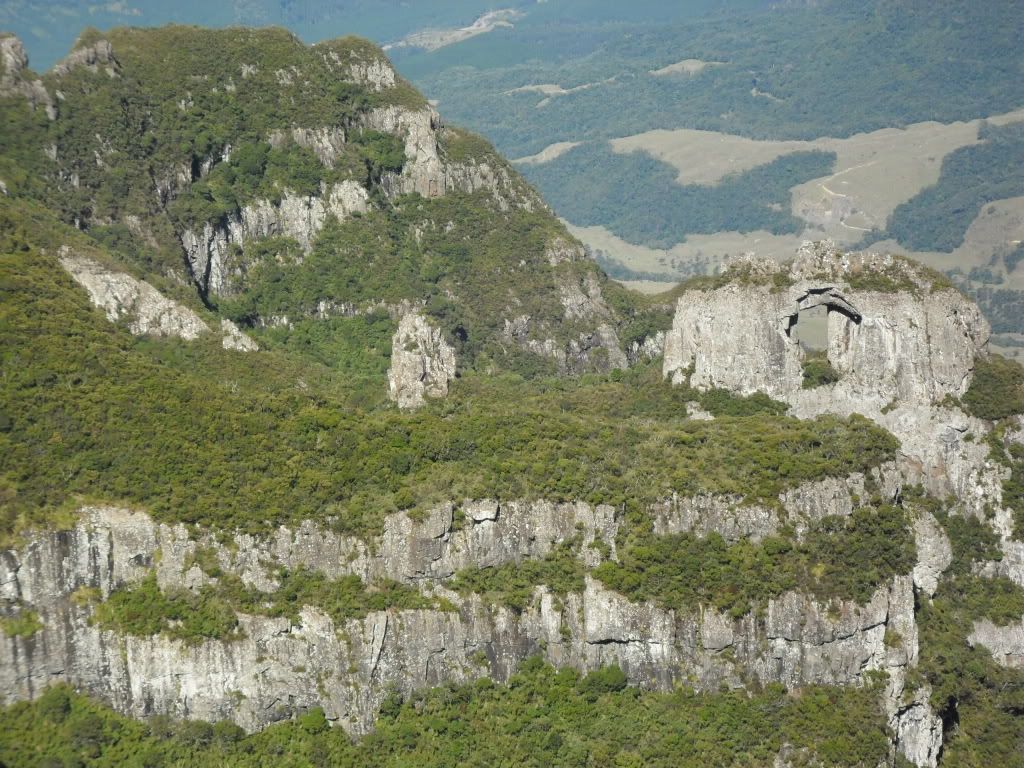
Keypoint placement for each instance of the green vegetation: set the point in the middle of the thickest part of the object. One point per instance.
(1013, 486)
(1003, 307)
(198, 435)
(256, 170)
(937, 219)
(640, 199)
(464, 258)
(211, 612)
(818, 371)
(24, 623)
(512, 584)
(183, 134)
(840, 558)
(541, 717)
(979, 701)
(184, 615)
(963, 61)
(997, 389)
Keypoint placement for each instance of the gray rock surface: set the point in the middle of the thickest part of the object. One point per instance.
(122, 296)
(96, 57)
(235, 339)
(909, 347)
(280, 667)
(14, 62)
(901, 354)
(1005, 642)
(210, 251)
(422, 362)
(147, 311)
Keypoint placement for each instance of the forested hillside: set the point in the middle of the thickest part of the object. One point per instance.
(323, 441)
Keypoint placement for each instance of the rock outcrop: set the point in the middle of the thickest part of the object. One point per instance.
(279, 667)
(148, 312)
(210, 251)
(894, 342)
(96, 57)
(13, 82)
(422, 362)
(1005, 642)
(122, 296)
(902, 346)
(429, 173)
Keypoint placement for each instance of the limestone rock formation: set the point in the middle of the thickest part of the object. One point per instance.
(279, 667)
(901, 346)
(14, 62)
(422, 362)
(1006, 643)
(122, 296)
(96, 57)
(235, 339)
(898, 344)
(427, 172)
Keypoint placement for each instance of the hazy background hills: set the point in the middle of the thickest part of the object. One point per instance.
(673, 134)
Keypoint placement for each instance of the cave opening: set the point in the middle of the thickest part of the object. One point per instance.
(808, 326)
(809, 329)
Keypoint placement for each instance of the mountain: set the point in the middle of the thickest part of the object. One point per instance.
(322, 441)
(673, 144)
(672, 136)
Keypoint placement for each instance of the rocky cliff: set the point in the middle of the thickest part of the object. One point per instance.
(902, 347)
(243, 170)
(904, 350)
(279, 666)
(301, 191)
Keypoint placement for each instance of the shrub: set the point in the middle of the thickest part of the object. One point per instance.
(818, 372)
(997, 389)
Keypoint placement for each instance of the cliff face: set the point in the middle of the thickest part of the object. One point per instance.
(279, 667)
(147, 311)
(896, 344)
(899, 346)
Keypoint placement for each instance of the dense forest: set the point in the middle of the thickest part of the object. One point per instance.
(937, 219)
(640, 199)
(849, 67)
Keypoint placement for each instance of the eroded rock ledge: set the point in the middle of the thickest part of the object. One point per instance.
(279, 667)
(148, 312)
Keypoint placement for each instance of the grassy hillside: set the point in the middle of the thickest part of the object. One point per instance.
(938, 218)
(640, 199)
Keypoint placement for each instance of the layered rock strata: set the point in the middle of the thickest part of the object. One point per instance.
(280, 667)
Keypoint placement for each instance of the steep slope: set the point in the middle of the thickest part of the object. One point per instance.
(292, 184)
(232, 524)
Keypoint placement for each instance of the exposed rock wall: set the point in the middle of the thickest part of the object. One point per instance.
(422, 362)
(427, 172)
(279, 667)
(901, 350)
(890, 347)
(1006, 643)
(13, 82)
(120, 295)
(209, 251)
(147, 310)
